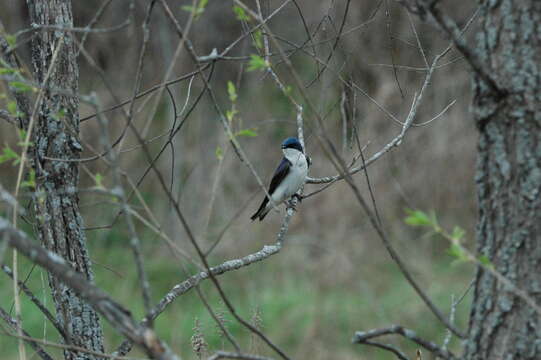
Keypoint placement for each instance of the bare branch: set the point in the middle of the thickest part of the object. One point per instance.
(38, 303)
(428, 10)
(338, 162)
(119, 317)
(194, 280)
(230, 355)
(399, 354)
(4, 114)
(14, 324)
(361, 336)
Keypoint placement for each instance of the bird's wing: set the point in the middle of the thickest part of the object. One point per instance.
(279, 175)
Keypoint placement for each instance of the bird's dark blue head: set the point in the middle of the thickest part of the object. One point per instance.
(292, 143)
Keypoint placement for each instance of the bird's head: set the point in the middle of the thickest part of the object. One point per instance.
(292, 143)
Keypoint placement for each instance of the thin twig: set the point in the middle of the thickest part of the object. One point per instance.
(16, 326)
(231, 355)
(361, 336)
(119, 317)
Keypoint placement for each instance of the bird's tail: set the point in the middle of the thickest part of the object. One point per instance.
(262, 211)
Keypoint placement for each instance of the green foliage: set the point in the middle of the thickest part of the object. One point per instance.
(247, 132)
(11, 39)
(198, 10)
(31, 181)
(21, 86)
(240, 13)
(458, 252)
(483, 259)
(22, 139)
(12, 108)
(60, 114)
(219, 153)
(8, 154)
(458, 233)
(288, 90)
(8, 71)
(419, 218)
(258, 39)
(232, 91)
(230, 114)
(98, 180)
(456, 249)
(256, 62)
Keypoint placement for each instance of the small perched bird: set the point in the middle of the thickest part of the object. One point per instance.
(288, 177)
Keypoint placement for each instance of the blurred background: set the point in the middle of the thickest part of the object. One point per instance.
(333, 276)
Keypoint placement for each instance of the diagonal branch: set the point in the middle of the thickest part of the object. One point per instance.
(341, 166)
(119, 317)
(231, 355)
(37, 302)
(195, 280)
(427, 10)
(14, 325)
(363, 337)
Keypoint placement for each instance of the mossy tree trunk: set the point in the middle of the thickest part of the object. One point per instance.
(502, 326)
(56, 131)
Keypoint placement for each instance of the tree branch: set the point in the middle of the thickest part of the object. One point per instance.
(427, 10)
(14, 325)
(119, 317)
(38, 303)
(231, 355)
(195, 280)
(360, 337)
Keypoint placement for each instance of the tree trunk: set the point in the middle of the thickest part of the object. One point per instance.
(58, 220)
(502, 326)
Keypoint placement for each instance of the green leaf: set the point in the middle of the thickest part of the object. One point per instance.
(231, 91)
(241, 14)
(22, 138)
(188, 8)
(61, 113)
(458, 233)
(247, 132)
(483, 259)
(25, 144)
(458, 252)
(12, 108)
(417, 218)
(7, 71)
(256, 63)
(258, 39)
(8, 154)
(196, 11)
(31, 182)
(230, 114)
(98, 179)
(22, 134)
(20, 86)
(219, 153)
(11, 39)
(288, 89)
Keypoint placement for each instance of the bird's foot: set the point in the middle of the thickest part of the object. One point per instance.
(299, 197)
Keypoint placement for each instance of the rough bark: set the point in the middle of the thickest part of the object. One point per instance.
(58, 219)
(509, 182)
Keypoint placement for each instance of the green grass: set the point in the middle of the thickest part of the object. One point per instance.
(306, 313)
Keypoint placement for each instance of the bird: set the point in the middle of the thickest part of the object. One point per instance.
(288, 178)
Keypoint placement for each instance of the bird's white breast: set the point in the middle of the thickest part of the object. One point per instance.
(297, 172)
